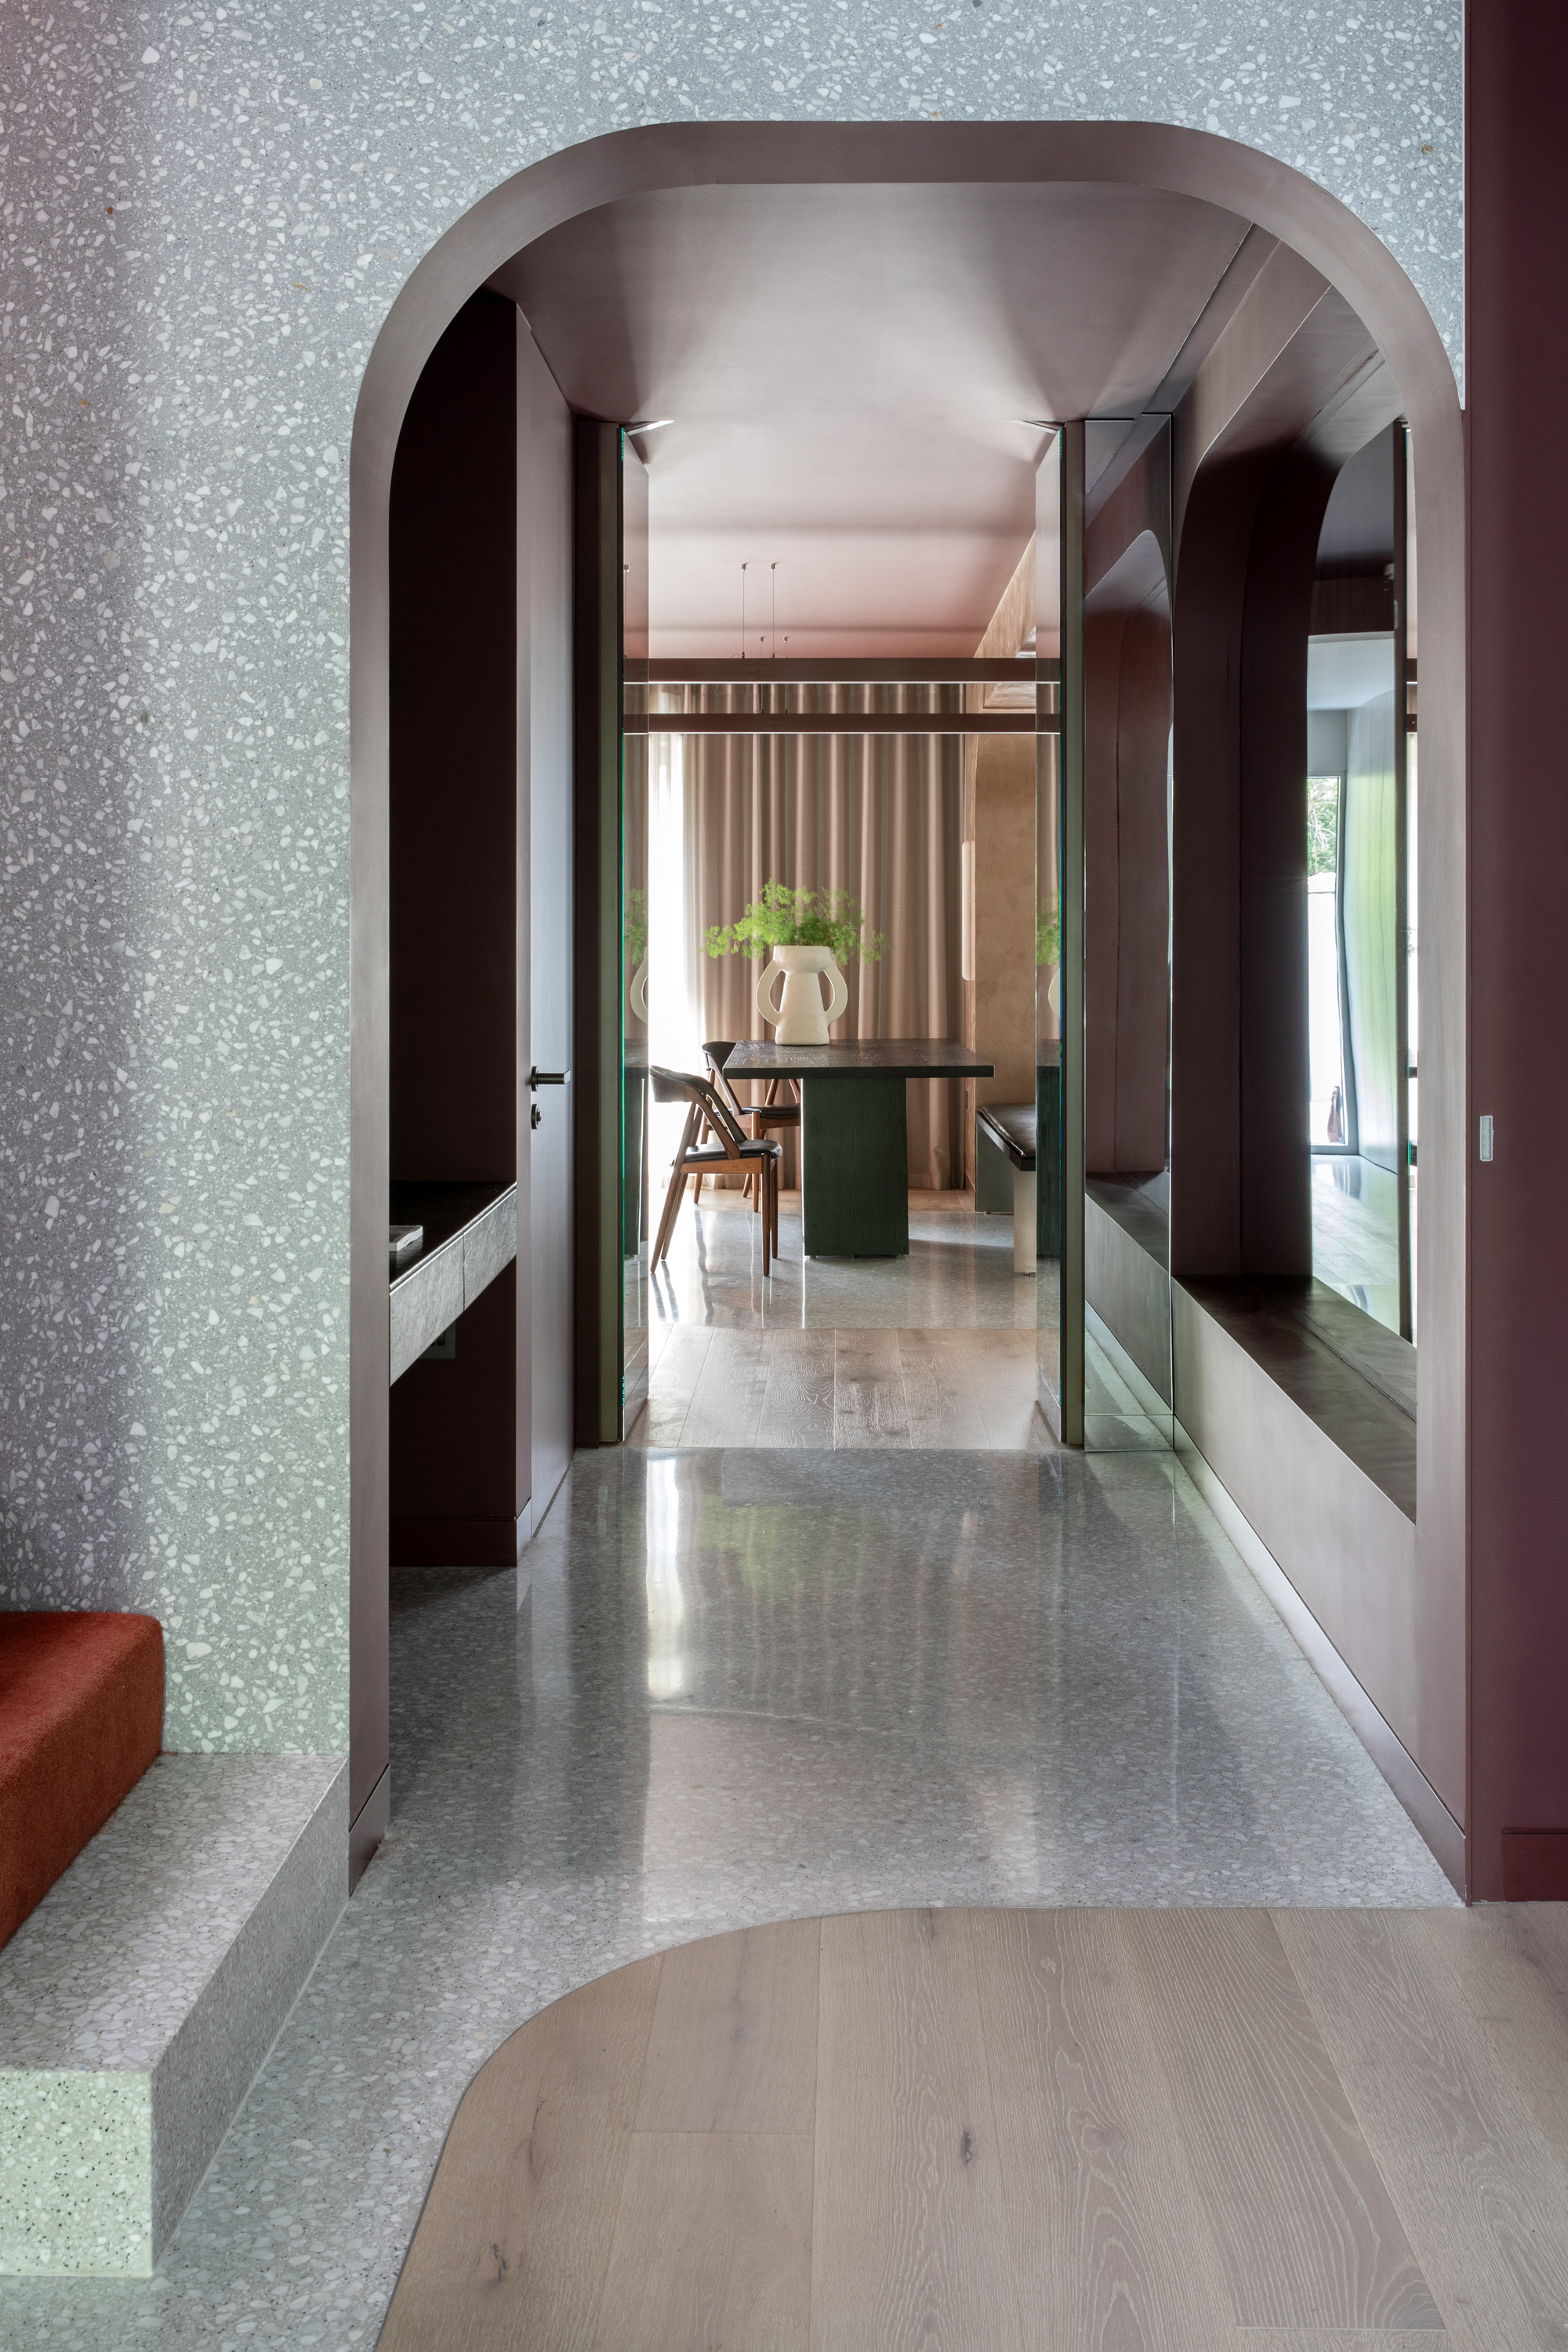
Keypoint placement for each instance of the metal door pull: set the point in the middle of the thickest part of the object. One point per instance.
(537, 1078)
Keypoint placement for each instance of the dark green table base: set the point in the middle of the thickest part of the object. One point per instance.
(855, 1155)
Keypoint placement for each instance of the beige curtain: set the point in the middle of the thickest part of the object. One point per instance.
(877, 815)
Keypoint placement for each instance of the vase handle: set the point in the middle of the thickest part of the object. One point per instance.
(766, 978)
(839, 994)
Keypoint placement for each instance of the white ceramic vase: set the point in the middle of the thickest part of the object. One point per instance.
(800, 1017)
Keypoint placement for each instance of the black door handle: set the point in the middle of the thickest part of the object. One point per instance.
(537, 1078)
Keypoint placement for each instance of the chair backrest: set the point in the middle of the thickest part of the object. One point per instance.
(718, 1051)
(685, 1085)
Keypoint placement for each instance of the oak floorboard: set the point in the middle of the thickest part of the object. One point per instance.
(673, 1382)
(869, 1407)
(1547, 1925)
(727, 1401)
(512, 2245)
(797, 1400)
(910, 2237)
(712, 2246)
(1004, 1392)
(1481, 2194)
(1493, 1954)
(938, 1392)
(1306, 2229)
(1111, 2246)
(659, 1424)
(734, 2045)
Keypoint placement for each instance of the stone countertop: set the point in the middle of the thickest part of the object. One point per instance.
(871, 1057)
(444, 1209)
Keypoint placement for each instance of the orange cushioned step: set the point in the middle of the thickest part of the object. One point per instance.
(81, 1718)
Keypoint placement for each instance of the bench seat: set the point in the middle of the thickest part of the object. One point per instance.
(1008, 1130)
(81, 1718)
(1012, 1126)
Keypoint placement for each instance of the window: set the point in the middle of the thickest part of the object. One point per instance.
(1330, 1127)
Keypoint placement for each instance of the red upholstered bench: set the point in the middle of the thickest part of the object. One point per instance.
(81, 1718)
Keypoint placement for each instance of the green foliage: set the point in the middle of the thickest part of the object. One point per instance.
(635, 927)
(1323, 825)
(1048, 934)
(783, 917)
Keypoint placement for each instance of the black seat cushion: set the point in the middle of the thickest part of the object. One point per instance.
(714, 1155)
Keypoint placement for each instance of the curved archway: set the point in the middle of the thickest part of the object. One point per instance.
(1346, 253)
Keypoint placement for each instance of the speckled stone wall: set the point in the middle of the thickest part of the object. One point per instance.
(206, 218)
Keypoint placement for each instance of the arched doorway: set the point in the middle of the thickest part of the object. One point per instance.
(1328, 240)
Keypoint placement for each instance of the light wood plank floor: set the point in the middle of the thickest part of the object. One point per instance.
(1079, 2131)
(714, 1385)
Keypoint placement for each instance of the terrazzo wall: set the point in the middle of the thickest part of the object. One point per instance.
(207, 217)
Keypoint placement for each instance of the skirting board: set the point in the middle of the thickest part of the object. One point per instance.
(459, 1543)
(368, 1828)
(1388, 1750)
(1535, 1865)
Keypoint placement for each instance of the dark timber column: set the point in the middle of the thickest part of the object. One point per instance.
(597, 881)
(459, 1468)
(1103, 885)
(1205, 880)
(1276, 1165)
(1516, 216)
(1144, 973)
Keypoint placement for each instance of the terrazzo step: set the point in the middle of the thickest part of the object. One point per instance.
(140, 1997)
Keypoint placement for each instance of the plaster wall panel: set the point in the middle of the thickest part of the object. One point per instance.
(206, 220)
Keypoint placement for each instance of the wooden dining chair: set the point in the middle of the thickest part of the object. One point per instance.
(768, 1117)
(730, 1147)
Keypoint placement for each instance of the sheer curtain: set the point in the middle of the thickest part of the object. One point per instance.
(676, 980)
(877, 815)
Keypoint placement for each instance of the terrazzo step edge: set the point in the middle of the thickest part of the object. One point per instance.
(98, 2164)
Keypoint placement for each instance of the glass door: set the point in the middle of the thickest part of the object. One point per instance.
(1129, 1389)
(634, 928)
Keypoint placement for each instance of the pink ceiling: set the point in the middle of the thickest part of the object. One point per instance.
(846, 367)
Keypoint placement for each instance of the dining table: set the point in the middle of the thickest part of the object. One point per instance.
(854, 1131)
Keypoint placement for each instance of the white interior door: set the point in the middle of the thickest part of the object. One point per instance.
(550, 903)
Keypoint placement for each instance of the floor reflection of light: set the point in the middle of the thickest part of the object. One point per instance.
(667, 1666)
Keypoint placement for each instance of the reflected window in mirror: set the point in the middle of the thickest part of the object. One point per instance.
(1359, 890)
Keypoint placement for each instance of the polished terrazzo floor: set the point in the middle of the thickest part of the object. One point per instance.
(747, 1685)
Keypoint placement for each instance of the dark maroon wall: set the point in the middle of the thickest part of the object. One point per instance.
(1127, 725)
(1275, 1080)
(1516, 358)
(454, 758)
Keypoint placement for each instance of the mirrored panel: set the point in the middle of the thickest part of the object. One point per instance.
(1359, 943)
